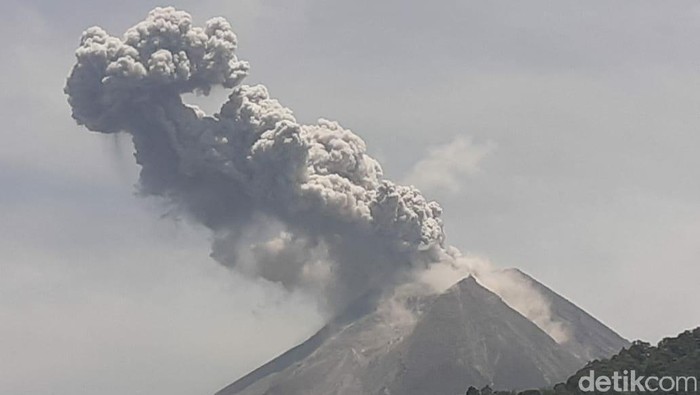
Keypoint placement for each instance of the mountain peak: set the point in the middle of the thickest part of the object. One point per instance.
(470, 289)
(467, 282)
(465, 336)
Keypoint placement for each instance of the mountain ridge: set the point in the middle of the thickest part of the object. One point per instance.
(442, 344)
(584, 329)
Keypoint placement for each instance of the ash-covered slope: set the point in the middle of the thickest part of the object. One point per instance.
(469, 336)
(465, 336)
(589, 338)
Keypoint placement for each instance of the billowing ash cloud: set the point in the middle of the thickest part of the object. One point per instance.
(301, 205)
(252, 162)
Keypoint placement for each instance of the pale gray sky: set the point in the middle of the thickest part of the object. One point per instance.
(579, 121)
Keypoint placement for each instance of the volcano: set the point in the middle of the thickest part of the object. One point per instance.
(439, 345)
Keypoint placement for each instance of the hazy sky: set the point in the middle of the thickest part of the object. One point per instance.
(570, 129)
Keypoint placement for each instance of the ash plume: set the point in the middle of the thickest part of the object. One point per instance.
(252, 161)
(301, 205)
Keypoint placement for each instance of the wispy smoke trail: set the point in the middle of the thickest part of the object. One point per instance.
(340, 228)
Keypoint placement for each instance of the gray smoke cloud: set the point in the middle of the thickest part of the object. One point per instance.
(301, 205)
(341, 227)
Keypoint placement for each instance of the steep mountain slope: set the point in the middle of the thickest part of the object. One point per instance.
(588, 338)
(468, 336)
(440, 345)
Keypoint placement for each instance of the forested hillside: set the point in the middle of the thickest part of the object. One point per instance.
(674, 357)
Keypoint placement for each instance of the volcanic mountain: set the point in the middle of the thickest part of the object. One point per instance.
(438, 345)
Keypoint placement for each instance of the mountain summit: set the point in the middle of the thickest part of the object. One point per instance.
(440, 345)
